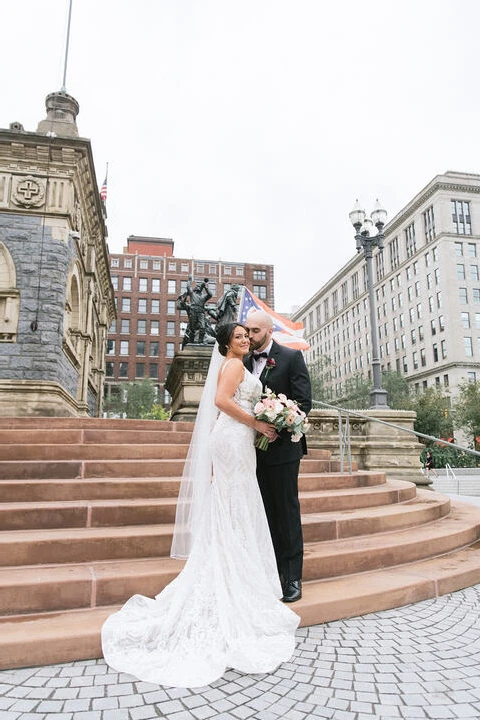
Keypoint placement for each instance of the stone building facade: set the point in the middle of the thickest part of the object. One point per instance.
(56, 296)
(427, 296)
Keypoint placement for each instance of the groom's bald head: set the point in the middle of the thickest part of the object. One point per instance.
(260, 328)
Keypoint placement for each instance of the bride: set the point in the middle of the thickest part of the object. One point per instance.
(224, 609)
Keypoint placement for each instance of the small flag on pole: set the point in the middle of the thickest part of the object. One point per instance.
(103, 189)
(285, 332)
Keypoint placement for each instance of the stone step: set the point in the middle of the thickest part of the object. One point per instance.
(55, 490)
(68, 469)
(61, 637)
(322, 559)
(27, 589)
(154, 510)
(93, 451)
(61, 436)
(60, 423)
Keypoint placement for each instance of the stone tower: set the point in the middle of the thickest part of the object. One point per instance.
(56, 296)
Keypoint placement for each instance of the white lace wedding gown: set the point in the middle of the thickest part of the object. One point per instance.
(223, 610)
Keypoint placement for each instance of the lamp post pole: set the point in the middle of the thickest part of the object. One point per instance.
(366, 242)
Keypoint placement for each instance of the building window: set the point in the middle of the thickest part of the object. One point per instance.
(462, 224)
(155, 285)
(127, 263)
(259, 274)
(458, 249)
(429, 224)
(156, 265)
(423, 359)
(410, 242)
(460, 271)
(123, 370)
(140, 370)
(140, 347)
(413, 336)
(113, 327)
(431, 304)
(126, 304)
(443, 345)
(445, 381)
(141, 327)
(109, 369)
(433, 327)
(476, 295)
(404, 363)
(227, 270)
(441, 322)
(115, 282)
(394, 254)
(171, 307)
(415, 360)
(154, 349)
(419, 311)
(154, 327)
(127, 283)
(200, 268)
(260, 291)
(170, 327)
(462, 294)
(471, 376)
(124, 347)
(420, 333)
(472, 250)
(239, 271)
(142, 305)
(143, 284)
(169, 349)
(465, 320)
(437, 276)
(125, 326)
(172, 287)
(155, 306)
(143, 264)
(379, 266)
(467, 343)
(114, 262)
(110, 347)
(153, 370)
(172, 266)
(185, 268)
(477, 321)
(474, 273)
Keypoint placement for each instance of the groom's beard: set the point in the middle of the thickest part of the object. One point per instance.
(257, 344)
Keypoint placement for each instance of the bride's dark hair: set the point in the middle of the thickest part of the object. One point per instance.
(224, 335)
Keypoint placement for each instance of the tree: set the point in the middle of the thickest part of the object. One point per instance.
(356, 393)
(320, 374)
(433, 416)
(398, 391)
(137, 400)
(466, 409)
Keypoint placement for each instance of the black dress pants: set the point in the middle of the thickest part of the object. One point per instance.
(279, 488)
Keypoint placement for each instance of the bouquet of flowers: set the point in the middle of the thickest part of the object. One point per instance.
(281, 412)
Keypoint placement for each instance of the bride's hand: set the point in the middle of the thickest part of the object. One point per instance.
(266, 429)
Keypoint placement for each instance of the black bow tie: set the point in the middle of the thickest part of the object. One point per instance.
(260, 355)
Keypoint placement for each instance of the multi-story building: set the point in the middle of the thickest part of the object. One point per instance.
(147, 280)
(427, 295)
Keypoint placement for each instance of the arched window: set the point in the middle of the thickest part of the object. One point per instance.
(9, 297)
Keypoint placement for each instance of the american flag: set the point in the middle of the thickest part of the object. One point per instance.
(285, 332)
(103, 190)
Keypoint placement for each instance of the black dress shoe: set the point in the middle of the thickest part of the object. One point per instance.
(292, 590)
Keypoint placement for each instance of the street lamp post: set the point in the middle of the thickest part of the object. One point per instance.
(366, 242)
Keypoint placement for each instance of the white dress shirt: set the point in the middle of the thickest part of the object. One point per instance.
(259, 363)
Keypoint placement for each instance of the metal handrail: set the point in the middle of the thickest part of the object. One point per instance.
(347, 412)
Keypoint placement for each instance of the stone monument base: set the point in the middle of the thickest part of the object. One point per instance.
(186, 379)
(27, 398)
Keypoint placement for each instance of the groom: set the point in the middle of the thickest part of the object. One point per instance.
(283, 370)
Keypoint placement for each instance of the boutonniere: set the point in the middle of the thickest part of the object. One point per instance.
(269, 365)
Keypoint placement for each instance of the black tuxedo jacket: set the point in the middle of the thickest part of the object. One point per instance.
(290, 377)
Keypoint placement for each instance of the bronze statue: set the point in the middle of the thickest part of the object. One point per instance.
(227, 306)
(193, 301)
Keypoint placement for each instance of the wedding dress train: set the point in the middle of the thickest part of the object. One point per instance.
(224, 609)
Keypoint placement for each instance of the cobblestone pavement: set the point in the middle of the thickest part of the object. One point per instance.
(419, 661)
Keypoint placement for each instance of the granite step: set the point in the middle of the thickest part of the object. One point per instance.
(60, 637)
(93, 451)
(60, 436)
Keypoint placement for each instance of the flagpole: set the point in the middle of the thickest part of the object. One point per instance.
(67, 43)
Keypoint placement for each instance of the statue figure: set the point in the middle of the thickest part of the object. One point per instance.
(227, 306)
(197, 296)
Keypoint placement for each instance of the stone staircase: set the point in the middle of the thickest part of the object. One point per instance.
(86, 513)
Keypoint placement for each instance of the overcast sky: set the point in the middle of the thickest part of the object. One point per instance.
(245, 129)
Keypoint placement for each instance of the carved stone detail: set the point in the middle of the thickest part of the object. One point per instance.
(28, 191)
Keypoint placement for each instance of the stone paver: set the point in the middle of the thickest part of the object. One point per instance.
(420, 662)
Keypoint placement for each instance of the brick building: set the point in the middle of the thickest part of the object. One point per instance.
(147, 280)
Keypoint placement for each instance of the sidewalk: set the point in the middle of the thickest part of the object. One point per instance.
(418, 661)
